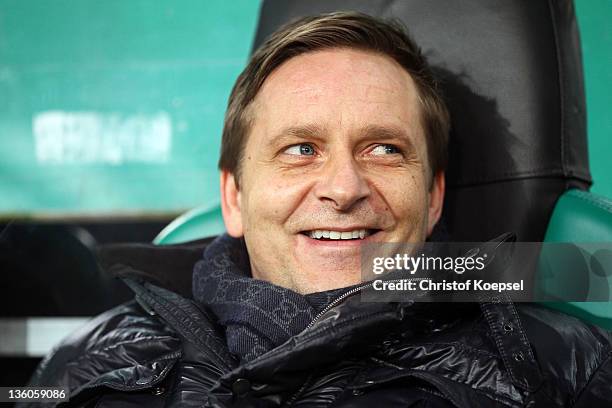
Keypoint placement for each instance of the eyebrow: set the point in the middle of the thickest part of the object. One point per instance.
(291, 133)
(368, 132)
(376, 132)
(301, 131)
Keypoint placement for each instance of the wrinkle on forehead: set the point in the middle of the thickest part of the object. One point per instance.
(348, 63)
(344, 73)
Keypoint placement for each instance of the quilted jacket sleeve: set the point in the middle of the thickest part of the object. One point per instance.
(598, 391)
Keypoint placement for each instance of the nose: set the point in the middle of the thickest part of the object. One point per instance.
(342, 184)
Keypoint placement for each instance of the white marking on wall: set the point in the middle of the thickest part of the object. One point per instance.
(109, 138)
(35, 336)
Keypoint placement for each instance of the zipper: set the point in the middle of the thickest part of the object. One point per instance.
(350, 293)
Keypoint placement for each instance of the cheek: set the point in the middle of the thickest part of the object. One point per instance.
(405, 196)
(272, 200)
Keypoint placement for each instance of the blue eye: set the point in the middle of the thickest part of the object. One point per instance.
(302, 149)
(385, 149)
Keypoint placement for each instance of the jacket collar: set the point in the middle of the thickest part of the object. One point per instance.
(167, 266)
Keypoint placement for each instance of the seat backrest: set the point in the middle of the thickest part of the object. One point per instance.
(511, 72)
(200, 222)
(585, 271)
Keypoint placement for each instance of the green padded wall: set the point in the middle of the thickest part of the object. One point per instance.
(115, 106)
(594, 18)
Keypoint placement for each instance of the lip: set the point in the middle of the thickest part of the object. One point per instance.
(342, 229)
(339, 243)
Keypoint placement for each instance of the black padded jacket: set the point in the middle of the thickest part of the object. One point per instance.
(162, 350)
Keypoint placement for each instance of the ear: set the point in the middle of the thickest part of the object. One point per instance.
(436, 201)
(230, 204)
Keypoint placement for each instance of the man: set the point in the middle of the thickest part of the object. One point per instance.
(335, 136)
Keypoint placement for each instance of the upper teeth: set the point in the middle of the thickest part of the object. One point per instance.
(318, 234)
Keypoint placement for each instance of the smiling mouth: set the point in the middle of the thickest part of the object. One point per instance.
(331, 235)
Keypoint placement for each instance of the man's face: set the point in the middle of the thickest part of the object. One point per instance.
(336, 150)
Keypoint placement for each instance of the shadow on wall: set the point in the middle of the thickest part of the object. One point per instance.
(480, 151)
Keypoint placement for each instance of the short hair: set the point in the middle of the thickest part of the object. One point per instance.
(327, 31)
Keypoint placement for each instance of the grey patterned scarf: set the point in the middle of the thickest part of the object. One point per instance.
(257, 315)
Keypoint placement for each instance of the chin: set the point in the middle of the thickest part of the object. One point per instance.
(334, 280)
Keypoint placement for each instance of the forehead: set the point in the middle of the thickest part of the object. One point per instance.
(338, 87)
